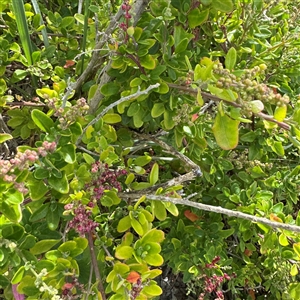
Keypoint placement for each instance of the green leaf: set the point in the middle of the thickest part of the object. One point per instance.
(68, 153)
(61, 185)
(112, 118)
(283, 241)
(46, 93)
(182, 45)
(37, 189)
(28, 242)
(197, 17)
(14, 196)
(153, 235)
(142, 160)
(43, 246)
(172, 208)
(123, 252)
(41, 173)
(148, 62)
(152, 290)
(40, 213)
(226, 131)
(12, 212)
(230, 59)
(280, 113)
(133, 109)
(4, 137)
(227, 95)
(67, 21)
(53, 219)
(124, 224)
(67, 246)
(154, 259)
(109, 89)
(18, 275)
(137, 226)
(41, 120)
(113, 196)
(159, 210)
(296, 247)
(153, 176)
(168, 120)
(294, 270)
(223, 5)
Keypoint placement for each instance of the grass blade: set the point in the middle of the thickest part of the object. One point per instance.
(19, 12)
(44, 31)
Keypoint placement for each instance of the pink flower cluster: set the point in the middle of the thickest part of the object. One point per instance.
(22, 161)
(81, 222)
(126, 8)
(104, 179)
(213, 283)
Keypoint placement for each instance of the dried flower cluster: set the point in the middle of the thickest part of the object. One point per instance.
(104, 179)
(213, 284)
(82, 221)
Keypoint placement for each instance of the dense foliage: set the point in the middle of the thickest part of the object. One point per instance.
(115, 113)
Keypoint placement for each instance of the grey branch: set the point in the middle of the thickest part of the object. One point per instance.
(228, 212)
(187, 161)
(123, 99)
(208, 96)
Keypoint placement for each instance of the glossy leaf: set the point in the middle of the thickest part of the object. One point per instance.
(223, 5)
(112, 118)
(44, 122)
(43, 246)
(230, 59)
(5, 137)
(59, 184)
(124, 224)
(226, 131)
(153, 176)
(123, 252)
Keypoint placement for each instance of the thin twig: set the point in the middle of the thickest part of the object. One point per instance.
(123, 99)
(208, 96)
(187, 161)
(228, 212)
(95, 265)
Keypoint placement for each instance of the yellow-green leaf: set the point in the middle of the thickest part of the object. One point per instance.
(152, 290)
(230, 59)
(153, 177)
(294, 270)
(283, 241)
(43, 246)
(226, 131)
(296, 247)
(124, 224)
(123, 252)
(112, 118)
(280, 113)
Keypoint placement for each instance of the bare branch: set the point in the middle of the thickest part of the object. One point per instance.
(123, 99)
(187, 161)
(208, 96)
(228, 212)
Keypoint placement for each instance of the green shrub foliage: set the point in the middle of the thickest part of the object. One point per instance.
(118, 117)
